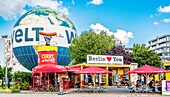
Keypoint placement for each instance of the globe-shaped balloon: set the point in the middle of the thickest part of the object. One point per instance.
(26, 38)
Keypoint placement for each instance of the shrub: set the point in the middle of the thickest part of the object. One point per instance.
(16, 87)
(24, 85)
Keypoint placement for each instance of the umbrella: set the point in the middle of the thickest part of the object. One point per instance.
(74, 68)
(48, 68)
(92, 70)
(146, 69)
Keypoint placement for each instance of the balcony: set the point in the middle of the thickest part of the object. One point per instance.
(160, 51)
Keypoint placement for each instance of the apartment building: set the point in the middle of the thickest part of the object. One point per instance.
(7, 57)
(161, 45)
(5, 51)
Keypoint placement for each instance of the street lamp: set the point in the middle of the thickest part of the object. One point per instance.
(6, 70)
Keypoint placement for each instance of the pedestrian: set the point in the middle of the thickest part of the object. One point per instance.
(110, 81)
(142, 80)
(117, 80)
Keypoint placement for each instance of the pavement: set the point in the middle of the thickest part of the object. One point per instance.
(113, 92)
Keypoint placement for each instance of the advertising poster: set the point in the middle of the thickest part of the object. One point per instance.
(47, 57)
(168, 85)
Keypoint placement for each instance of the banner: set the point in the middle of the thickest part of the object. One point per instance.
(168, 85)
(47, 58)
(104, 59)
(27, 35)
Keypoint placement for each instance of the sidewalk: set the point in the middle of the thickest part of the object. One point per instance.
(121, 92)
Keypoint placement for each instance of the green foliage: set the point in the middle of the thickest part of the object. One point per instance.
(24, 78)
(16, 87)
(24, 85)
(143, 55)
(89, 43)
(1, 72)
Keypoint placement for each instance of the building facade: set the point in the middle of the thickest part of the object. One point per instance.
(5, 50)
(7, 57)
(128, 49)
(161, 45)
(2, 52)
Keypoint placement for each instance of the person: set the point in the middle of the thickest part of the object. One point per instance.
(142, 80)
(110, 81)
(55, 80)
(116, 79)
(37, 80)
(156, 86)
(56, 87)
(129, 85)
(151, 85)
(89, 79)
(160, 85)
(138, 85)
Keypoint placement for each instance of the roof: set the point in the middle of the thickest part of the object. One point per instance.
(158, 37)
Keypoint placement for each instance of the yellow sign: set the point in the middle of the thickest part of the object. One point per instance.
(42, 48)
(166, 63)
(47, 56)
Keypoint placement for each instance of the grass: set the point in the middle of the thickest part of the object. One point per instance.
(5, 90)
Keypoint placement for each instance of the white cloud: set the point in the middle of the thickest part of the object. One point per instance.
(96, 2)
(99, 27)
(165, 9)
(166, 20)
(10, 10)
(122, 35)
(155, 23)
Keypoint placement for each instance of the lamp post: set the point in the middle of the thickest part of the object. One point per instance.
(6, 71)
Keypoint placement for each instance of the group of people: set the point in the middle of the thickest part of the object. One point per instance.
(140, 86)
(155, 85)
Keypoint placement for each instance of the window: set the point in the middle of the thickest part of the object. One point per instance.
(162, 39)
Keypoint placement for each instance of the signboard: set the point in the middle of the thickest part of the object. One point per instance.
(104, 59)
(168, 85)
(47, 48)
(27, 35)
(47, 58)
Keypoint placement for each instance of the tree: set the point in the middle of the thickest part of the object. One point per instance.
(89, 43)
(143, 55)
(22, 76)
(2, 73)
(120, 51)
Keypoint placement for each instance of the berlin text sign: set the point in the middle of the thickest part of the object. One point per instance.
(104, 59)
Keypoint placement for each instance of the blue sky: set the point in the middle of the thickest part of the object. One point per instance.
(132, 21)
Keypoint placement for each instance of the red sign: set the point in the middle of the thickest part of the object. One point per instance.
(47, 58)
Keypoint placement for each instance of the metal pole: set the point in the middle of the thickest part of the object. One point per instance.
(6, 72)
